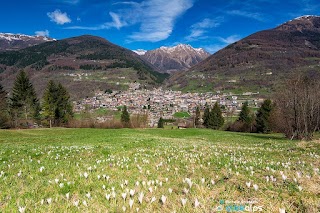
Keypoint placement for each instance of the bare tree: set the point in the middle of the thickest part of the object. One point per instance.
(298, 107)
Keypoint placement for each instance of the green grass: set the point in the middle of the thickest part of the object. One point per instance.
(181, 115)
(152, 162)
(97, 113)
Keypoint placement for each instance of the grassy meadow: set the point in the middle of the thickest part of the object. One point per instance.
(156, 170)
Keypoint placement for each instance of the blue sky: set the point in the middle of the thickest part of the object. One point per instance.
(149, 24)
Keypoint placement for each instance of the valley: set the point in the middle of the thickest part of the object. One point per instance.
(163, 103)
(160, 106)
(257, 63)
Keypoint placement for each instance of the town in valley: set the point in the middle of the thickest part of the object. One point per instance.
(160, 102)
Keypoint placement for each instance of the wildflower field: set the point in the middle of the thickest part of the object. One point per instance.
(156, 170)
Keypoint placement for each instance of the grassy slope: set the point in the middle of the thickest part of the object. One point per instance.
(181, 115)
(152, 155)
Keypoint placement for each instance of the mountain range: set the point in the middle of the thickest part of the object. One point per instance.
(89, 63)
(177, 58)
(258, 61)
(9, 41)
(84, 64)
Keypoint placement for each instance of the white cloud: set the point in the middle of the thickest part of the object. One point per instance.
(132, 3)
(230, 39)
(44, 33)
(195, 34)
(256, 16)
(224, 42)
(200, 28)
(155, 17)
(58, 17)
(116, 23)
(158, 17)
(208, 23)
(214, 48)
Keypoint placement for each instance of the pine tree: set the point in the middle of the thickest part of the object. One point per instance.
(125, 117)
(49, 102)
(161, 123)
(263, 116)
(197, 117)
(245, 117)
(3, 108)
(64, 107)
(206, 116)
(217, 119)
(24, 103)
(56, 104)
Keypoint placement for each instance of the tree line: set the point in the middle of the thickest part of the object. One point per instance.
(293, 110)
(23, 108)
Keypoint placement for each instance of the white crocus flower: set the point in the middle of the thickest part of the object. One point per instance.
(22, 209)
(163, 199)
(124, 195)
(153, 199)
(131, 203)
(183, 201)
(248, 184)
(140, 198)
(196, 203)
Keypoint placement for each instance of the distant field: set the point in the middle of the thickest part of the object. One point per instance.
(181, 115)
(156, 170)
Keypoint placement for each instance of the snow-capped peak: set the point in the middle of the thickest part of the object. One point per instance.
(182, 47)
(179, 57)
(10, 41)
(200, 50)
(12, 37)
(306, 17)
(140, 51)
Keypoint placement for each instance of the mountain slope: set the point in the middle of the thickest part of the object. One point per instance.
(9, 41)
(87, 62)
(180, 57)
(258, 61)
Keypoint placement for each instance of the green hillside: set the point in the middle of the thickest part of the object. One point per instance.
(89, 62)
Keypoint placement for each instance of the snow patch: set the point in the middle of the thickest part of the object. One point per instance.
(16, 37)
(306, 17)
(140, 51)
(183, 47)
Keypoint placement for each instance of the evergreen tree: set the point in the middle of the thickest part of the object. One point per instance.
(217, 119)
(197, 117)
(24, 103)
(125, 117)
(206, 116)
(161, 123)
(64, 107)
(3, 108)
(56, 104)
(263, 116)
(49, 102)
(245, 117)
